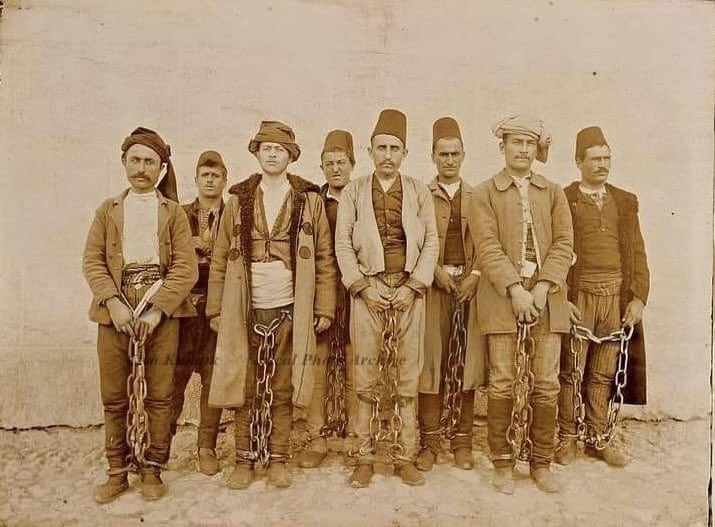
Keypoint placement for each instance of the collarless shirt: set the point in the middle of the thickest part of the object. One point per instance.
(140, 241)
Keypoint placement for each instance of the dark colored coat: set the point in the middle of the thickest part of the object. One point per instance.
(192, 211)
(636, 277)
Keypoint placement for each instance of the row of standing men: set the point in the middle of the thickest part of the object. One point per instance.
(371, 308)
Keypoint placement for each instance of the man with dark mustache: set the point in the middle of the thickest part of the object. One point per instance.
(524, 241)
(387, 247)
(609, 286)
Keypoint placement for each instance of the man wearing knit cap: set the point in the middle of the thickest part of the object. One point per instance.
(337, 161)
(197, 342)
(271, 289)
(455, 285)
(139, 251)
(609, 286)
(387, 247)
(524, 240)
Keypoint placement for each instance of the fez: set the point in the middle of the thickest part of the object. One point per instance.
(149, 138)
(445, 127)
(391, 122)
(339, 140)
(275, 132)
(588, 137)
(525, 124)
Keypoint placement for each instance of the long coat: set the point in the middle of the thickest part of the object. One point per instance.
(314, 280)
(475, 360)
(635, 274)
(103, 258)
(499, 239)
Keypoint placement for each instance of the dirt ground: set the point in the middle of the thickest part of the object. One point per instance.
(48, 477)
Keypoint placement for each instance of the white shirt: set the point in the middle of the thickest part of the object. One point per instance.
(273, 199)
(450, 188)
(140, 239)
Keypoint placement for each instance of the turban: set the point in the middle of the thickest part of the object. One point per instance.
(275, 132)
(210, 158)
(339, 140)
(149, 138)
(391, 122)
(524, 124)
(588, 137)
(445, 127)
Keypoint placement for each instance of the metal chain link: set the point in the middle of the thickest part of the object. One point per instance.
(454, 374)
(523, 386)
(137, 435)
(261, 420)
(385, 419)
(583, 431)
(336, 418)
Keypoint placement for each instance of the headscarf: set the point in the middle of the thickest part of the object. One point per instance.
(525, 124)
(149, 138)
(275, 132)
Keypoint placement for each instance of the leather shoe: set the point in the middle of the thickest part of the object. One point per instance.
(361, 476)
(425, 460)
(463, 458)
(208, 463)
(111, 489)
(241, 477)
(410, 475)
(278, 475)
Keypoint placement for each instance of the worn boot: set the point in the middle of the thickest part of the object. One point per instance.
(409, 474)
(153, 488)
(278, 475)
(241, 477)
(498, 419)
(430, 408)
(503, 480)
(111, 489)
(463, 458)
(310, 458)
(611, 455)
(430, 443)
(208, 463)
(566, 452)
(544, 479)
(461, 444)
(361, 476)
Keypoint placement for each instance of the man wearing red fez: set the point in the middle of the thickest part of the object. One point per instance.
(332, 408)
(454, 352)
(140, 265)
(197, 341)
(608, 285)
(387, 248)
(271, 289)
(524, 240)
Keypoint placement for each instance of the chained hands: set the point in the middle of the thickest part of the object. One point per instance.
(540, 293)
(147, 323)
(122, 317)
(467, 288)
(215, 323)
(374, 300)
(444, 281)
(522, 303)
(321, 323)
(402, 298)
(201, 245)
(634, 312)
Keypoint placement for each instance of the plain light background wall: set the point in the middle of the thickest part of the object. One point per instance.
(77, 76)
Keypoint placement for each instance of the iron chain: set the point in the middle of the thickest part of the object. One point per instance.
(454, 374)
(523, 386)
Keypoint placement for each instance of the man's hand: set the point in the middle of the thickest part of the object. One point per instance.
(374, 300)
(321, 323)
(444, 281)
(122, 317)
(215, 323)
(201, 245)
(540, 292)
(575, 315)
(467, 288)
(402, 298)
(147, 323)
(634, 312)
(522, 303)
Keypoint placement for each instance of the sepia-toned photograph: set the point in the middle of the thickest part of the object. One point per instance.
(355, 263)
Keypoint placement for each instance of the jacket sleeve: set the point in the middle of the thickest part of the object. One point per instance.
(640, 285)
(94, 259)
(326, 273)
(556, 263)
(423, 273)
(492, 260)
(219, 259)
(182, 273)
(352, 278)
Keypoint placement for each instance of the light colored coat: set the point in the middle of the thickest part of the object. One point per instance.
(357, 240)
(229, 296)
(103, 258)
(499, 240)
(475, 360)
